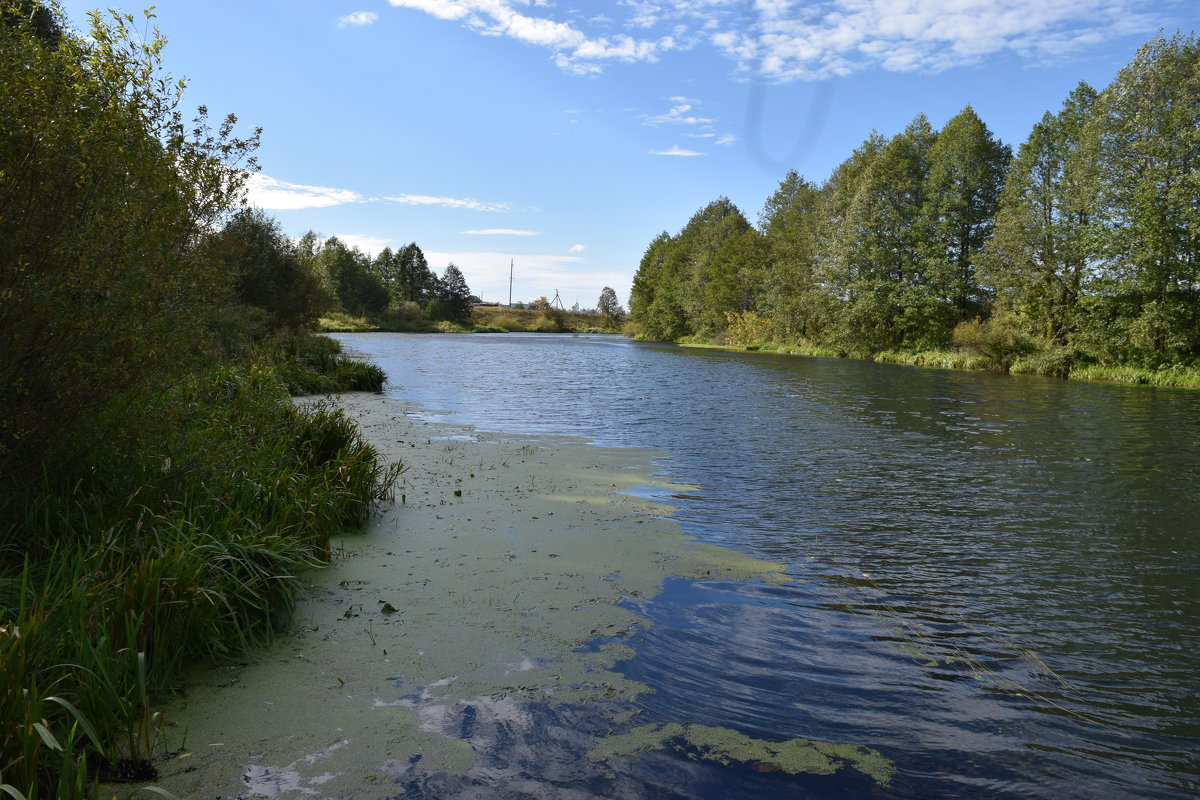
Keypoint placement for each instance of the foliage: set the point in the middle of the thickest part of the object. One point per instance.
(237, 487)
(610, 308)
(315, 365)
(961, 195)
(105, 190)
(267, 270)
(1083, 249)
(359, 289)
(997, 342)
(452, 302)
(159, 489)
(551, 320)
(1145, 143)
(1043, 242)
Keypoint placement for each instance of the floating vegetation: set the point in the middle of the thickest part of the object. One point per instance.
(725, 746)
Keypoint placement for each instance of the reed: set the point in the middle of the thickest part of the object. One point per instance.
(181, 542)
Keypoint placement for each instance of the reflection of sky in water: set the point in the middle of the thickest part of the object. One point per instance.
(994, 561)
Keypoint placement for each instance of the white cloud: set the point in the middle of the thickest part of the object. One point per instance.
(577, 248)
(676, 150)
(500, 232)
(791, 39)
(678, 114)
(447, 202)
(574, 51)
(805, 40)
(726, 138)
(358, 18)
(269, 193)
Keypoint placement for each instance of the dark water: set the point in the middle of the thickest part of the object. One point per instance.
(1001, 574)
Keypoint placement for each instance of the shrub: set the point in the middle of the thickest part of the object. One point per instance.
(995, 341)
(507, 322)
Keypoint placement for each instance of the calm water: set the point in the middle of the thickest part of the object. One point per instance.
(1001, 574)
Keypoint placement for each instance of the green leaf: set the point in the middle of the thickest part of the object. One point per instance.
(47, 737)
(83, 723)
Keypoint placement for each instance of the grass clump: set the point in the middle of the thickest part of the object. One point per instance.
(310, 364)
(180, 543)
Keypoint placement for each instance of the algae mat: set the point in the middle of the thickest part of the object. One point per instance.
(465, 644)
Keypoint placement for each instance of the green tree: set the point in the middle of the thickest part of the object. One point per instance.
(696, 266)
(415, 280)
(610, 308)
(359, 289)
(33, 17)
(1146, 138)
(792, 295)
(105, 190)
(267, 270)
(1037, 261)
(876, 267)
(386, 265)
(453, 301)
(735, 280)
(653, 301)
(961, 194)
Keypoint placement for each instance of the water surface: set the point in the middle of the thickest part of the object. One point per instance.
(999, 573)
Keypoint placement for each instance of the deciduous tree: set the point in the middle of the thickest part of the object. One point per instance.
(610, 308)
(105, 191)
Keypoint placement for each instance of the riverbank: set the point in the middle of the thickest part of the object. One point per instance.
(174, 540)
(1169, 377)
(469, 637)
(484, 319)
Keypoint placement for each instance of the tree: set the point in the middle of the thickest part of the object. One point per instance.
(792, 296)
(415, 280)
(961, 194)
(387, 266)
(359, 289)
(877, 268)
(453, 300)
(1037, 261)
(267, 270)
(610, 308)
(671, 297)
(695, 252)
(105, 191)
(1145, 135)
(735, 279)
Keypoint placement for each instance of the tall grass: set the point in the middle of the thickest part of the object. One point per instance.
(181, 542)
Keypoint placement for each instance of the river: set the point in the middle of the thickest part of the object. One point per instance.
(997, 577)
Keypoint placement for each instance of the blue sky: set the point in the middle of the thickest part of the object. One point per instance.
(565, 135)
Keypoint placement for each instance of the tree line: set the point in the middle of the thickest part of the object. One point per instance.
(295, 281)
(1083, 246)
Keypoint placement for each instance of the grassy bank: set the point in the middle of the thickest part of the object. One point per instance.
(178, 542)
(484, 319)
(1047, 363)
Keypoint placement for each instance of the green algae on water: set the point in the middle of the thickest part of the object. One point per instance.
(725, 746)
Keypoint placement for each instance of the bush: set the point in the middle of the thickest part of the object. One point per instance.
(996, 342)
(1057, 362)
(551, 320)
(507, 322)
(236, 489)
(104, 190)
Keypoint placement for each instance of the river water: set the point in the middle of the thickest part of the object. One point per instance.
(998, 577)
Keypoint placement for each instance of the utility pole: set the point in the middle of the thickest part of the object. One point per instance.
(510, 273)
